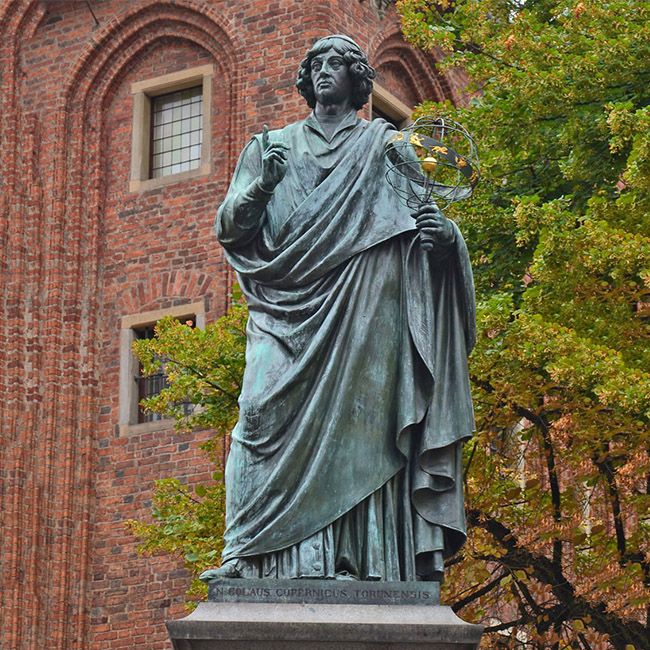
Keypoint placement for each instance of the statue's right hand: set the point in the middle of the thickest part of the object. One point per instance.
(274, 161)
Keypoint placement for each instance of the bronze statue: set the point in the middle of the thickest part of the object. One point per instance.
(346, 460)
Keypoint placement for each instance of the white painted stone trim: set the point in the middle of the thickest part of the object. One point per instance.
(142, 92)
(386, 102)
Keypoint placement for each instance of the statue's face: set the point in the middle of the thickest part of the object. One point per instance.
(331, 78)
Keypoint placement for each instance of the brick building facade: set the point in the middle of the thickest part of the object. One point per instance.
(92, 248)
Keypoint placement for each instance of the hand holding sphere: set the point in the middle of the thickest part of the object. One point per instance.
(431, 162)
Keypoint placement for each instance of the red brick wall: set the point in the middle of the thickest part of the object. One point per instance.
(80, 251)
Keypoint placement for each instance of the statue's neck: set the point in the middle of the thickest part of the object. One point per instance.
(330, 116)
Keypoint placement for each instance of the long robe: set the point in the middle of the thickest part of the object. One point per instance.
(356, 385)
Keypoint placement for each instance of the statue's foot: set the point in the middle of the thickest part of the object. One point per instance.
(227, 570)
(345, 575)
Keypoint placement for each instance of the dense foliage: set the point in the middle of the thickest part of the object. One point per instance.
(557, 476)
(558, 473)
(204, 368)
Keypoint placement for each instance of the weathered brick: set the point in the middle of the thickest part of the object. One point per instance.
(82, 251)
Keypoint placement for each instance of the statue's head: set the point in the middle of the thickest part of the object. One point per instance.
(360, 72)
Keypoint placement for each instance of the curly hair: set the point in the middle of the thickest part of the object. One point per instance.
(361, 73)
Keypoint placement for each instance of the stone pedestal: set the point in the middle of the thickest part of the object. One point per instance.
(237, 622)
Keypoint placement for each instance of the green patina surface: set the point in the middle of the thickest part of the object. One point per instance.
(356, 400)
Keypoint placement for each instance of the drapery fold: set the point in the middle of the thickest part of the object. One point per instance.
(357, 343)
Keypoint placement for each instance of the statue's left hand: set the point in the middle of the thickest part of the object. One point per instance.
(435, 228)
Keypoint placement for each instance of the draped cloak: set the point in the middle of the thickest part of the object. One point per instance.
(357, 344)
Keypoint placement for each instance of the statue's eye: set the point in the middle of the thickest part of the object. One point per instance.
(315, 65)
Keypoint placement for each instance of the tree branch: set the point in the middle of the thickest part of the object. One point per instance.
(507, 626)
(556, 496)
(584, 641)
(622, 632)
(475, 49)
(528, 597)
(463, 602)
(606, 468)
(469, 463)
(204, 377)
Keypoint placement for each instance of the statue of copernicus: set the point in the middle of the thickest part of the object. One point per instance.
(346, 460)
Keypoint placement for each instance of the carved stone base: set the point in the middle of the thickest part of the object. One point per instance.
(293, 626)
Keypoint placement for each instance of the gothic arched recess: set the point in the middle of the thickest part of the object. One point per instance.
(411, 72)
(55, 233)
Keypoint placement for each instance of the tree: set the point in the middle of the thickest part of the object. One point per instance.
(558, 474)
(204, 368)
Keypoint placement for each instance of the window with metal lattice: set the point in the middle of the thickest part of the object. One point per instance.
(135, 385)
(176, 132)
(152, 385)
(171, 128)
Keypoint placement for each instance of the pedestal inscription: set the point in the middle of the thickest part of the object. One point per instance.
(332, 592)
